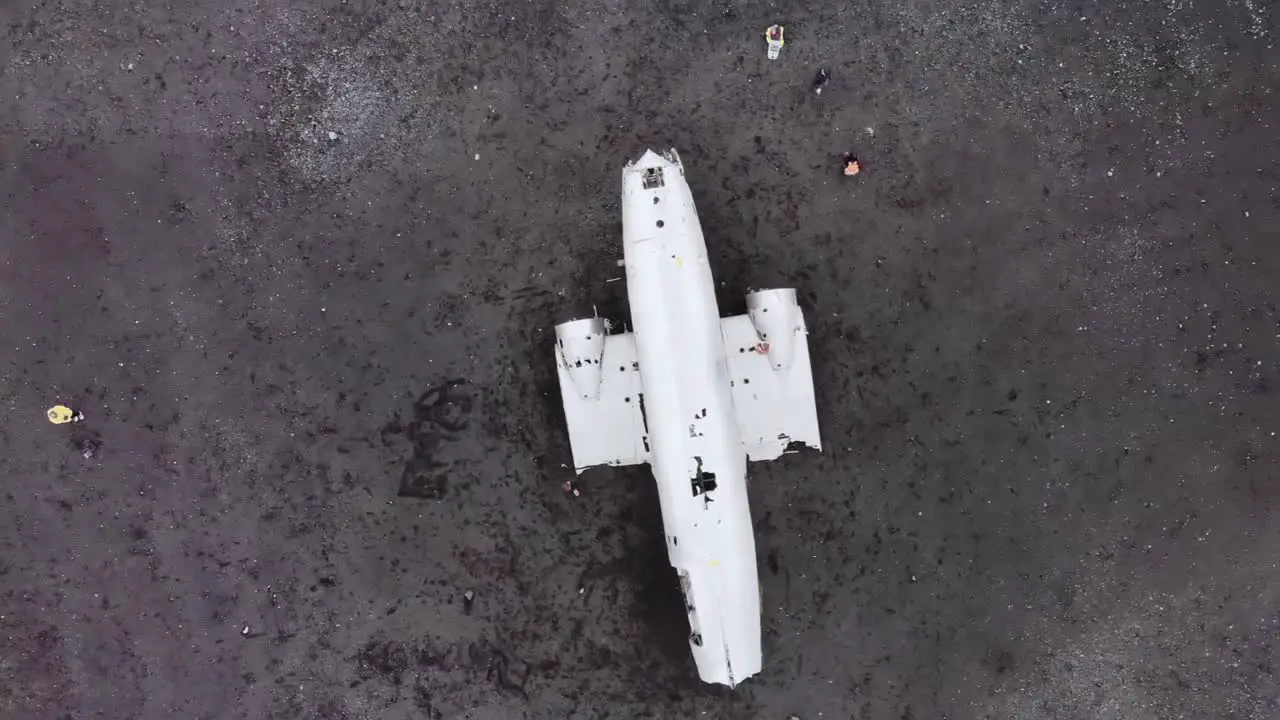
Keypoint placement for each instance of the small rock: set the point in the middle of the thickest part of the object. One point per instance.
(245, 631)
(333, 135)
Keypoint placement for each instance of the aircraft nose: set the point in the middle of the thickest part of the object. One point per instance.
(651, 159)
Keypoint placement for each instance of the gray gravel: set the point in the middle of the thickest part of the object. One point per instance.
(299, 264)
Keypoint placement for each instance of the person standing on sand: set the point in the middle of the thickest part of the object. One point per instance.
(61, 414)
(820, 81)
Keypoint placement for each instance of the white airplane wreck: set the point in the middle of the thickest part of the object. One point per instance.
(696, 396)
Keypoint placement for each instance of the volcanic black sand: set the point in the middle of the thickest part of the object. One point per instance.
(299, 264)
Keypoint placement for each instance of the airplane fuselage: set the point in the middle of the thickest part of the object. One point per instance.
(697, 453)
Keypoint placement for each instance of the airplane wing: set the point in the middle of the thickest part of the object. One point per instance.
(602, 396)
(775, 407)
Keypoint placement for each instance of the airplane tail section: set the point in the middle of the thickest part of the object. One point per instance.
(770, 376)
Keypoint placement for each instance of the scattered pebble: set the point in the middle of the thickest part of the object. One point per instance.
(333, 135)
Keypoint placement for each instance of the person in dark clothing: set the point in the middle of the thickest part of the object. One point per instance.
(820, 81)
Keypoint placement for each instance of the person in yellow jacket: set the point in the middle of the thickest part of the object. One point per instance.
(774, 37)
(61, 414)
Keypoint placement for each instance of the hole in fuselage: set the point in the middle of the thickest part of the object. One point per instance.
(686, 590)
(702, 481)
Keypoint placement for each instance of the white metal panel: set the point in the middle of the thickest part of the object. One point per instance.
(609, 430)
(774, 408)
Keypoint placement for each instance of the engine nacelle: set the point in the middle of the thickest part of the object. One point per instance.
(580, 344)
(778, 321)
